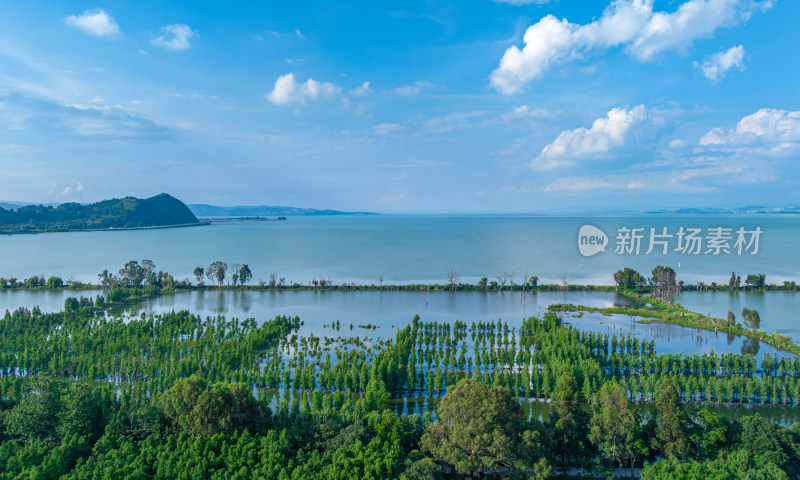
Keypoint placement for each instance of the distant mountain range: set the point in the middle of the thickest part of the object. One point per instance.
(203, 210)
(124, 213)
(740, 210)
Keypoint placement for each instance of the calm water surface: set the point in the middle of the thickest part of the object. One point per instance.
(389, 311)
(404, 249)
(779, 311)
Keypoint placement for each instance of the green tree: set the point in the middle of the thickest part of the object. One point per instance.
(478, 427)
(375, 396)
(629, 279)
(569, 418)
(244, 274)
(772, 442)
(612, 425)
(132, 274)
(751, 318)
(36, 416)
(671, 420)
(708, 433)
(216, 272)
(199, 272)
(757, 282)
(737, 465)
(663, 283)
(203, 412)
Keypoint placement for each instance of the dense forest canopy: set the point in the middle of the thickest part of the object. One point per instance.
(128, 212)
(84, 395)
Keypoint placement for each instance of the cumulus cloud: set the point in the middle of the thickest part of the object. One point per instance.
(715, 66)
(175, 37)
(628, 23)
(766, 132)
(605, 134)
(288, 90)
(97, 23)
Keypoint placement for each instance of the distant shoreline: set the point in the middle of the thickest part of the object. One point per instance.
(110, 229)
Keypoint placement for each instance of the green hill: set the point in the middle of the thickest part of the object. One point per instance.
(159, 211)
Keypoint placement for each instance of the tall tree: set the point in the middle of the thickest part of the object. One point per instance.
(569, 418)
(757, 282)
(452, 278)
(612, 425)
(203, 411)
(478, 427)
(629, 279)
(671, 420)
(245, 274)
(217, 271)
(663, 283)
(199, 272)
(708, 433)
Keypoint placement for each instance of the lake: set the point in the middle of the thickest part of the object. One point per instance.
(779, 311)
(389, 311)
(408, 249)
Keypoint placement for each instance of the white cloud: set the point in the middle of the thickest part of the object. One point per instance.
(175, 37)
(414, 89)
(387, 128)
(407, 90)
(766, 132)
(715, 66)
(363, 90)
(525, 111)
(576, 184)
(694, 179)
(629, 23)
(288, 90)
(97, 23)
(677, 144)
(605, 134)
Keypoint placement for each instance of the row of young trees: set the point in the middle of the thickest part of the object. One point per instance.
(662, 283)
(426, 357)
(103, 397)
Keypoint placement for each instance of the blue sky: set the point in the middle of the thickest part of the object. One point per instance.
(471, 106)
